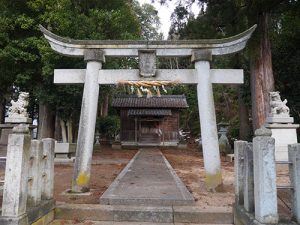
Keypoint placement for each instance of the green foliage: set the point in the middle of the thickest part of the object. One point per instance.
(190, 115)
(108, 126)
(149, 20)
(28, 62)
(225, 18)
(286, 56)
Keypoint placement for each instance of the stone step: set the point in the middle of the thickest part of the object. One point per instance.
(153, 214)
(89, 222)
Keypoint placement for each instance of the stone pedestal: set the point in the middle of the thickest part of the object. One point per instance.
(16, 177)
(6, 129)
(265, 190)
(18, 120)
(64, 150)
(284, 134)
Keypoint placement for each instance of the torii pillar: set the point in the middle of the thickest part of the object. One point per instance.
(207, 115)
(85, 143)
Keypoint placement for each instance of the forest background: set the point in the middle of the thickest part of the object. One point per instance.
(270, 61)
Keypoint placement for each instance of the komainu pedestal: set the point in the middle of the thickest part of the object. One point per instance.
(281, 125)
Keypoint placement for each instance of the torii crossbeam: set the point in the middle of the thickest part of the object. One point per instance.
(94, 52)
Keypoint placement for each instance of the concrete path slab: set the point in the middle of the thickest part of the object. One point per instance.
(147, 180)
(88, 222)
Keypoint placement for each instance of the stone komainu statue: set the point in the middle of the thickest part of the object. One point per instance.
(278, 107)
(19, 108)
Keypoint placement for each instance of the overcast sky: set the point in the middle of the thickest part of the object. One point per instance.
(165, 11)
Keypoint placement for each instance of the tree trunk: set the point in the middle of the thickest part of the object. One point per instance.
(57, 133)
(70, 130)
(244, 129)
(46, 125)
(105, 105)
(262, 80)
(63, 131)
(2, 108)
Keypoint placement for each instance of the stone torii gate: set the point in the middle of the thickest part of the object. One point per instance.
(94, 53)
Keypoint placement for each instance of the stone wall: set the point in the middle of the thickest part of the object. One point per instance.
(29, 177)
(255, 180)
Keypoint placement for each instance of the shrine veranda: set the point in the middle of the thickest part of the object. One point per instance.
(94, 53)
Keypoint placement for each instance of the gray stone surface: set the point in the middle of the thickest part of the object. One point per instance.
(209, 134)
(36, 212)
(239, 155)
(18, 220)
(284, 134)
(148, 179)
(35, 175)
(86, 132)
(185, 76)
(202, 55)
(280, 120)
(263, 131)
(18, 120)
(147, 63)
(248, 179)
(69, 47)
(48, 168)
(16, 173)
(215, 215)
(265, 190)
(5, 130)
(242, 217)
(64, 150)
(294, 170)
(141, 214)
(94, 55)
(66, 222)
(146, 214)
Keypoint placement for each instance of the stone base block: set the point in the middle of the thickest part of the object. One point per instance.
(144, 214)
(284, 135)
(46, 219)
(6, 129)
(229, 157)
(18, 120)
(64, 160)
(36, 212)
(214, 215)
(64, 150)
(242, 217)
(21, 220)
(280, 120)
(116, 145)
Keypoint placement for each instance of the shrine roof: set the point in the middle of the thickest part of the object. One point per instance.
(165, 101)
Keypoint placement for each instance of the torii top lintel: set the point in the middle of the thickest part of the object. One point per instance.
(120, 48)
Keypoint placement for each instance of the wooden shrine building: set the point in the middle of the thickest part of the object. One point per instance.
(149, 121)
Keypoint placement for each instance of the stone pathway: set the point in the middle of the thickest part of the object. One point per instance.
(69, 222)
(148, 179)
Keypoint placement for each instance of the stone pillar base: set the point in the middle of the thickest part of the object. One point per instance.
(20, 220)
(284, 135)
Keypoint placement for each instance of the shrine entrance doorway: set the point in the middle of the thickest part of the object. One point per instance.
(149, 131)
